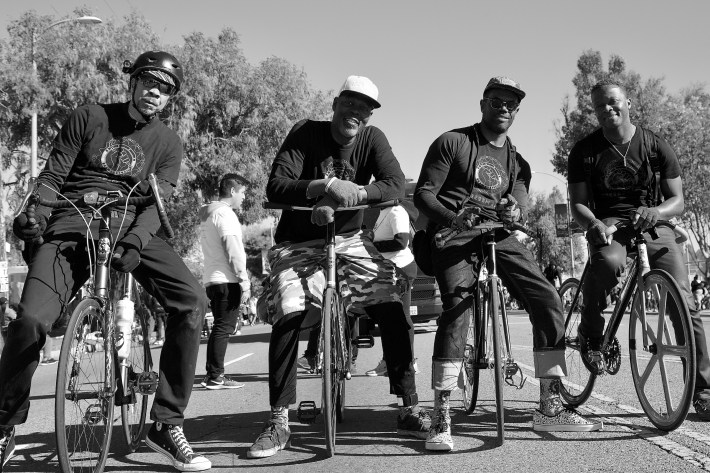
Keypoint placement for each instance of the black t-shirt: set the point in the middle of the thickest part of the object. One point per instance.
(308, 153)
(619, 187)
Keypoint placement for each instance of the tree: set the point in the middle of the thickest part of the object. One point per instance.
(683, 120)
(232, 116)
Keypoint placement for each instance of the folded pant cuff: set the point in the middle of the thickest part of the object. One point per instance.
(446, 374)
(550, 364)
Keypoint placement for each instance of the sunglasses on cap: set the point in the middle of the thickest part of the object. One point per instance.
(497, 104)
(150, 82)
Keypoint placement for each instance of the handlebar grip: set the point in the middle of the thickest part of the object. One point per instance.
(681, 234)
(162, 214)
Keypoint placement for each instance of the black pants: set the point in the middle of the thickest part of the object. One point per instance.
(57, 271)
(283, 352)
(224, 302)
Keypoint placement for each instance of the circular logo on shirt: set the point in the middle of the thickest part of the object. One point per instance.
(122, 157)
(490, 174)
(618, 177)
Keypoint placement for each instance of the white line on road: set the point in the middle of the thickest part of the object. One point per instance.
(238, 359)
(685, 453)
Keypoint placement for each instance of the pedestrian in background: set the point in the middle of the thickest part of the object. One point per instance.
(225, 273)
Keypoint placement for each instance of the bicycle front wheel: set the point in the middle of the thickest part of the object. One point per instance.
(471, 356)
(138, 383)
(330, 371)
(499, 354)
(662, 351)
(84, 399)
(579, 383)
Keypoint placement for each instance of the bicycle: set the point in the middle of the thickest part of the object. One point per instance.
(652, 292)
(105, 359)
(488, 337)
(334, 344)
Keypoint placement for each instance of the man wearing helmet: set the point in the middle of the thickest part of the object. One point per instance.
(109, 147)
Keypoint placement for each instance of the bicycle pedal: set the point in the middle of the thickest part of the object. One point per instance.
(307, 412)
(147, 383)
(93, 414)
(364, 341)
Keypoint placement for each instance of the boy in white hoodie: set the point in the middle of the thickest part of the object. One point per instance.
(225, 273)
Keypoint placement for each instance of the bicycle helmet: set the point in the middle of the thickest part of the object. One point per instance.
(156, 61)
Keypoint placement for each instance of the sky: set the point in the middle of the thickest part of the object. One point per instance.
(431, 60)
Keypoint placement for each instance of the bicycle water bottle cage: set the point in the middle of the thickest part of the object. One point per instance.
(307, 412)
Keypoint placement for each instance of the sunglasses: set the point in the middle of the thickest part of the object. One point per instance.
(150, 82)
(497, 104)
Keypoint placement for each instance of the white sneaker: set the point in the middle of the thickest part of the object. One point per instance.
(379, 370)
(567, 420)
(439, 437)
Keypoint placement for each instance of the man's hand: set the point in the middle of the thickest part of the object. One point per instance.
(466, 219)
(324, 211)
(126, 258)
(29, 225)
(596, 233)
(244, 299)
(345, 193)
(645, 218)
(508, 210)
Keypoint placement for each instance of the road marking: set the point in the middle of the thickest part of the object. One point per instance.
(661, 441)
(238, 359)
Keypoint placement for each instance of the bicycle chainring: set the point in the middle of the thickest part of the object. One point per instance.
(612, 357)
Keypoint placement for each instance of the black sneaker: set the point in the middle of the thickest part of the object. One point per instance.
(591, 351)
(414, 423)
(273, 438)
(171, 442)
(7, 444)
(702, 408)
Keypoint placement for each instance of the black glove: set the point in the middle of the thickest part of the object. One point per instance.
(345, 193)
(29, 225)
(324, 211)
(645, 217)
(508, 210)
(126, 258)
(596, 233)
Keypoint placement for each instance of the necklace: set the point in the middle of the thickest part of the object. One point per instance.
(623, 156)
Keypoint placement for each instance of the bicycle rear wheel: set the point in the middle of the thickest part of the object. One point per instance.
(664, 372)
(472, 354)
(138, 383)
(496, 331)
(579, 383)
(84, 399)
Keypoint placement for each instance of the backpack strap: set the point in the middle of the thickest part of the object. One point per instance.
(473, 155)
(653, 163)
(589, 162)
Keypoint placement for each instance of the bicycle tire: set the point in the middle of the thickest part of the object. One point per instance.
(343, 357)
(329, 372)
(577, 386)
(498, 354)
(677, 379)
(84, 399)
(134, 412)
(472, 354)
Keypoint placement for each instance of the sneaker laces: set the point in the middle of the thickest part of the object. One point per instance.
(178, 437)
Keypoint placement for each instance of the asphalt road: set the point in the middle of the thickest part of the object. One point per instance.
(223, 424)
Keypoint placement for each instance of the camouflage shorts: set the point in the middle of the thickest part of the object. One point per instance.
(297, 278)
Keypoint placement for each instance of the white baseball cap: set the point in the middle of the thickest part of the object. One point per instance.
(362, 86)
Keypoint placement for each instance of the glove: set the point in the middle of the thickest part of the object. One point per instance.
(324, 211)
(645, 218)
(508, 210)
(596, 233)
(29, 225)
(345, 193)
(466, 219)
(126, 258)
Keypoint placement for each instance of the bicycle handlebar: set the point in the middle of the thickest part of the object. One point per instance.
(444, 235)
(93, 198)
(375, 205)
(681, 233)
